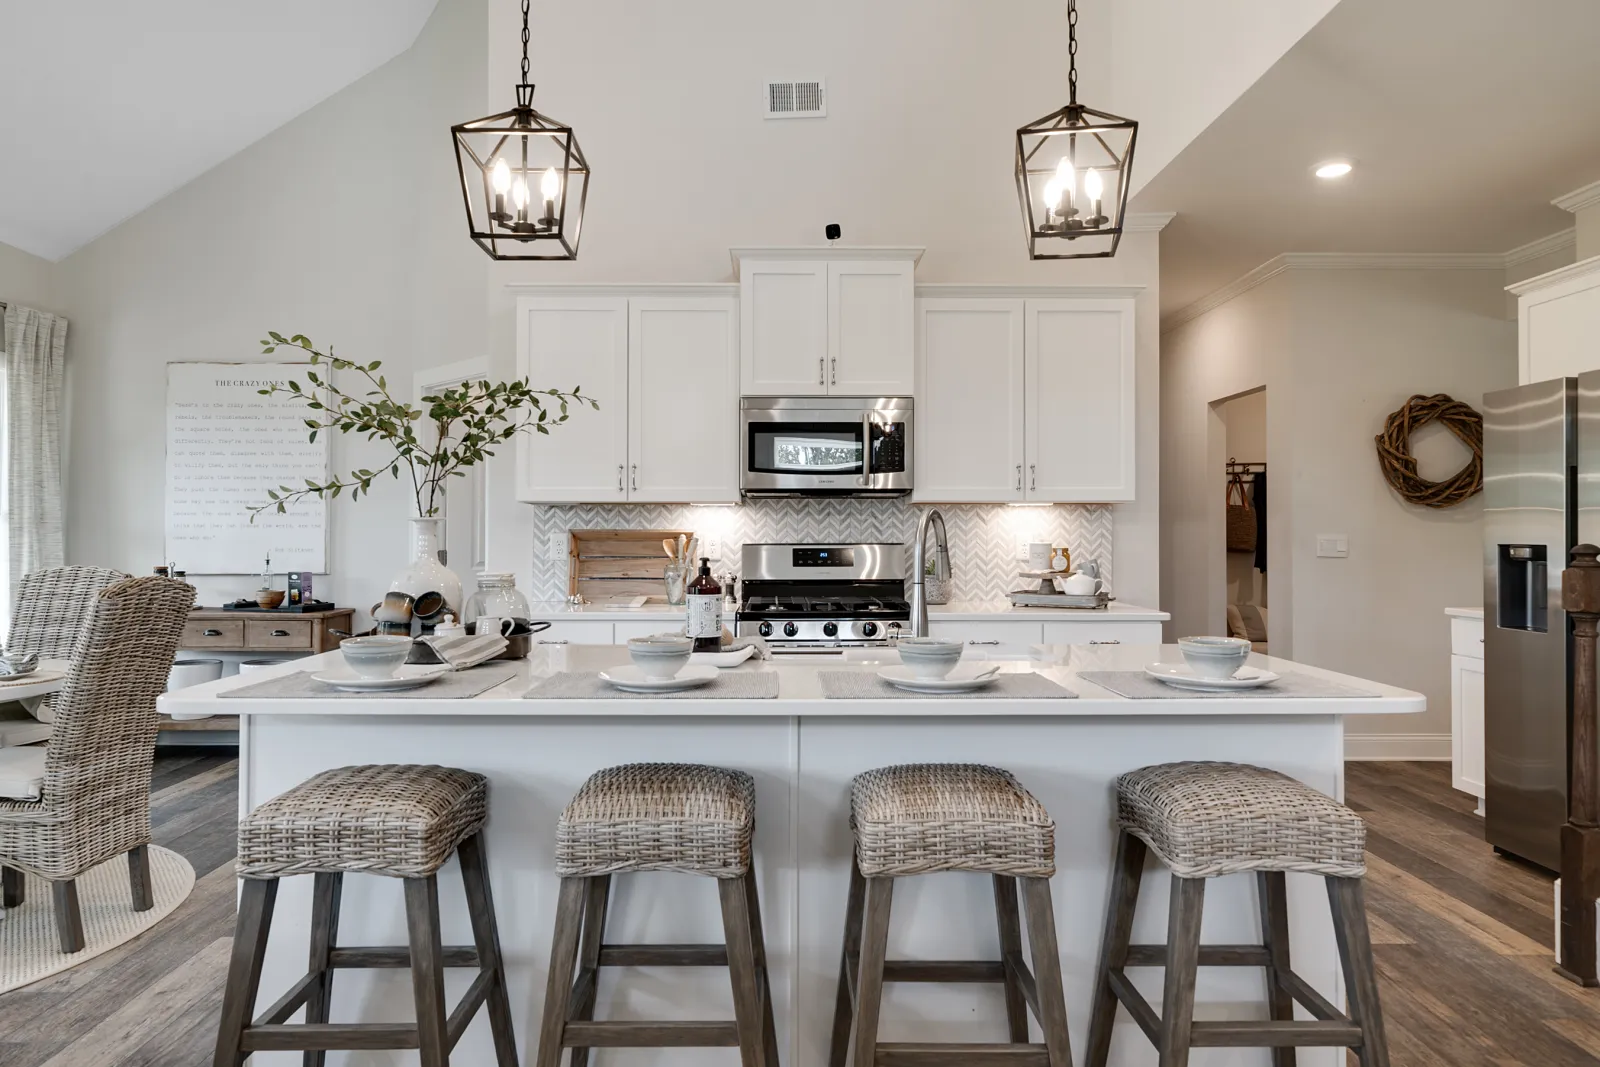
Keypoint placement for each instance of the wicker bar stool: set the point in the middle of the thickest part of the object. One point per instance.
(921, 819)
(400, 821)
(656, 817)
(1209, 819)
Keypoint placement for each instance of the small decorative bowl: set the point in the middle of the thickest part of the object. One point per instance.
(269, 598)
(929, 657)
(660, 656)
(375, 656)
(1214, 657)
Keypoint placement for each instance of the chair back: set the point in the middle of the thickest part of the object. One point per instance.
(105, 714)
(53, 606)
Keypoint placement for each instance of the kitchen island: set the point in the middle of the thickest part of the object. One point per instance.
(802, 749)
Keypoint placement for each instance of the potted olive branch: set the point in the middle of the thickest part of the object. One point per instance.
(468, 423)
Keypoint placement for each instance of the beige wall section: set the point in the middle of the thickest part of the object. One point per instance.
(1244, 421)
(1588, 221)
(344, 224)
(1338, 351)
(26, 279)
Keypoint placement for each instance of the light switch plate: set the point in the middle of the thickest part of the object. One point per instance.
(1333, 546)
(557, 548)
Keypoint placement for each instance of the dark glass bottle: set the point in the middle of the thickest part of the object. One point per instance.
(703, 620)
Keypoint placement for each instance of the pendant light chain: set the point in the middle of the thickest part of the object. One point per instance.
(525, 42)
(1072, 49)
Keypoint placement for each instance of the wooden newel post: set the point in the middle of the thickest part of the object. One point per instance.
(1580, 837)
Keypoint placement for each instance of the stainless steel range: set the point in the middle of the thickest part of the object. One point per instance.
(820, 598)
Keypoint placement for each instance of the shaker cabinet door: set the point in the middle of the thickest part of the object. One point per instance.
(783, 317)
(562, 343)
(683, 378)
(1466, 733)
(871, 328)
(1080, 400)
(969, 415)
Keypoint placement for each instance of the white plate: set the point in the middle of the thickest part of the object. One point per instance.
(631, 679)
(354, 683)
(960, 680)
(1181, 676)
(723, 659)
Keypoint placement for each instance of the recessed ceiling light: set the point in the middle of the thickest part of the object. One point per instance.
(1334, 168)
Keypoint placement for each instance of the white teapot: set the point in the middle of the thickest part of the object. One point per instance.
(1079, 584)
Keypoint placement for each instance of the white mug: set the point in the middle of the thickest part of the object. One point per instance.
(488, 624)
(1039, 555)
(1079, 585)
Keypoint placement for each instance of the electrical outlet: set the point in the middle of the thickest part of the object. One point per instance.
(1021, 550)
(1333, 546)
(711, 548)
(557, 548)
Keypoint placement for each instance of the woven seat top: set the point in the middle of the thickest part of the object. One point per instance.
(659, 817)
(924, 817)
(400, 820)
(1206, 819)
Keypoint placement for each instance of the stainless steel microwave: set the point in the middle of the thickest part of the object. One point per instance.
(825, 446)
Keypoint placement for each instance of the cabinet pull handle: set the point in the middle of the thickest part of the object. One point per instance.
(1033, 476)
(279, 633)
(1019, 477)
(1113, 641)
(835, 371)
(983, 642)
(620, 487)
(633, 475)
(210, 633)
(822, 374)
(552, 642)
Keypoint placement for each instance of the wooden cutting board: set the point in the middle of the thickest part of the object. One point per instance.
(607, 564)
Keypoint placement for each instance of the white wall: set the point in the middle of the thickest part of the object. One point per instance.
(345, 224)
(26, 279)
(1588, 222)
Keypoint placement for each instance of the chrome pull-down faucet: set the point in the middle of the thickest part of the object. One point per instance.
(919, 565)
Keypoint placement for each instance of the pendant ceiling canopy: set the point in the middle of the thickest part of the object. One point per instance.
(1073, 167)
(524, 179)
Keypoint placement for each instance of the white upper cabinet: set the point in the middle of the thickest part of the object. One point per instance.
(1024, 399)
(665, 371)
(824, 321)
(1558, 316)
(969, 414)
(562, 343)
(1080, 403)
(683, 400)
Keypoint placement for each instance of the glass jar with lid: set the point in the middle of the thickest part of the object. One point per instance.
(496, 597)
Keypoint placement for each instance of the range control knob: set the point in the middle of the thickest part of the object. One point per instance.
(765, 629)
(830, 629)
(869, 629)
(790, 629)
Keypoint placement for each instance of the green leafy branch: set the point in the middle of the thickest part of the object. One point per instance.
(468, 421)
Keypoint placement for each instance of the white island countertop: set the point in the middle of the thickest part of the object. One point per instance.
(957, 611)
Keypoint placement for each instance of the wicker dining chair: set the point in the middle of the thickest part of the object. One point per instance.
(95, 797)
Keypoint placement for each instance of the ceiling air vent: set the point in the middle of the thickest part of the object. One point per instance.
(797, 99)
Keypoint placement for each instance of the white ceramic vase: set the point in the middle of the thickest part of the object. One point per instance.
(425, 574)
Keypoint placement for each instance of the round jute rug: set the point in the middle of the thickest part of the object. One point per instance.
(29, 950)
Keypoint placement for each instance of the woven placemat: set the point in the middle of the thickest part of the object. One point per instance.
(451, 685)
(586, 685)
(866, 685)
(1137, 685)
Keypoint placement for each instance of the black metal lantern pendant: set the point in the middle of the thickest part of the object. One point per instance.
(1073, 167)
(523, 178)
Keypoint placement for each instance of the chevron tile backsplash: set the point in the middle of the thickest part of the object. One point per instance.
(983, 537)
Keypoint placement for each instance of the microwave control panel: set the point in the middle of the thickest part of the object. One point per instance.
(889, 448)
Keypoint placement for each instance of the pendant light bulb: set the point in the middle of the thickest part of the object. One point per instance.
(550, 184)
(1093, 184)
(1067, 177)
(1052, 193)
(500, 176)
(519, 193)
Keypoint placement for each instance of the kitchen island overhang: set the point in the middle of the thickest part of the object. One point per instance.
(802, 749)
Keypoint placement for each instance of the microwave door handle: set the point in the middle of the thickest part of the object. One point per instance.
(866, 449)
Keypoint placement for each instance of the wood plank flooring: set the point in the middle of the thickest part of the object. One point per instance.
(1463, 940)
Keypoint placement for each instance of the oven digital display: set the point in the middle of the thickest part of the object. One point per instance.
(824, 557)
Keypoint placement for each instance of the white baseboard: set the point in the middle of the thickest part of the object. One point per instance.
(1427, 747)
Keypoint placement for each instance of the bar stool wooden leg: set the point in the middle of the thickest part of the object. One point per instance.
(849, 965)
(427, 970)
(69, 915)
(742, 969)
(869, 975)
(12, 891)
(486, 938)
(769, 1026)
(139, 878)
(1183, 964)
(1047, 970)
(256, 900)
(1127, 871)
(1347, 898)
(596, 901)
(1005, 907)
(325, 895)
(558, 987)
(1275, 937)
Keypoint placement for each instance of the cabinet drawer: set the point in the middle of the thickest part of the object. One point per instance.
(221, 633)
(575, 633)
(1466, 638)
(1009, 632)
(272, 634)
(1101, 632)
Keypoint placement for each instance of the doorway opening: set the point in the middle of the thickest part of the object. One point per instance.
(1244, 421)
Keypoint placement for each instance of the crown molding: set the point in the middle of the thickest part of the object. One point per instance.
(1233, 290)
(1579, 199)
(1147, 221)
(1556, 277)
(976, 291)
(1544, 246)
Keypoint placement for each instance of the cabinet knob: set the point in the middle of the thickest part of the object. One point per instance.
(210, 633)
(280, 633)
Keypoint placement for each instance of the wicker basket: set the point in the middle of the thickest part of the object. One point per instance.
(1241, 517)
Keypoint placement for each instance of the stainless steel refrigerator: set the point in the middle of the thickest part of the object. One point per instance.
(1532, 455)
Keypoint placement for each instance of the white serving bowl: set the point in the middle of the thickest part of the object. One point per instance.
(660, 656)
(1214, 657)
(375, 656)
(929, 657)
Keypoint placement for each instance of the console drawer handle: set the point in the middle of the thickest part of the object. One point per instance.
(280, 633)
(211, 633)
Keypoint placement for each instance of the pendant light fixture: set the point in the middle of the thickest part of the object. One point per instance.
(1073, 167)
(523, 178)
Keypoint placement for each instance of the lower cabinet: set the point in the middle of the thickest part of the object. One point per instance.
(564, 632)
(1097, 632)
(1037, 631)
(1466, 707)
(1007, 632)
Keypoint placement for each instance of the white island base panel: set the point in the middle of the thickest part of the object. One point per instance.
(802, 751)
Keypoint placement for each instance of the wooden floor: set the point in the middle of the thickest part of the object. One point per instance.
(1463, 940)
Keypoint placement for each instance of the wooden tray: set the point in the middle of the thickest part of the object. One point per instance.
(605, 564)
(1025, 598)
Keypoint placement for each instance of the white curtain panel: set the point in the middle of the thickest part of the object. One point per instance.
(35, 350)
